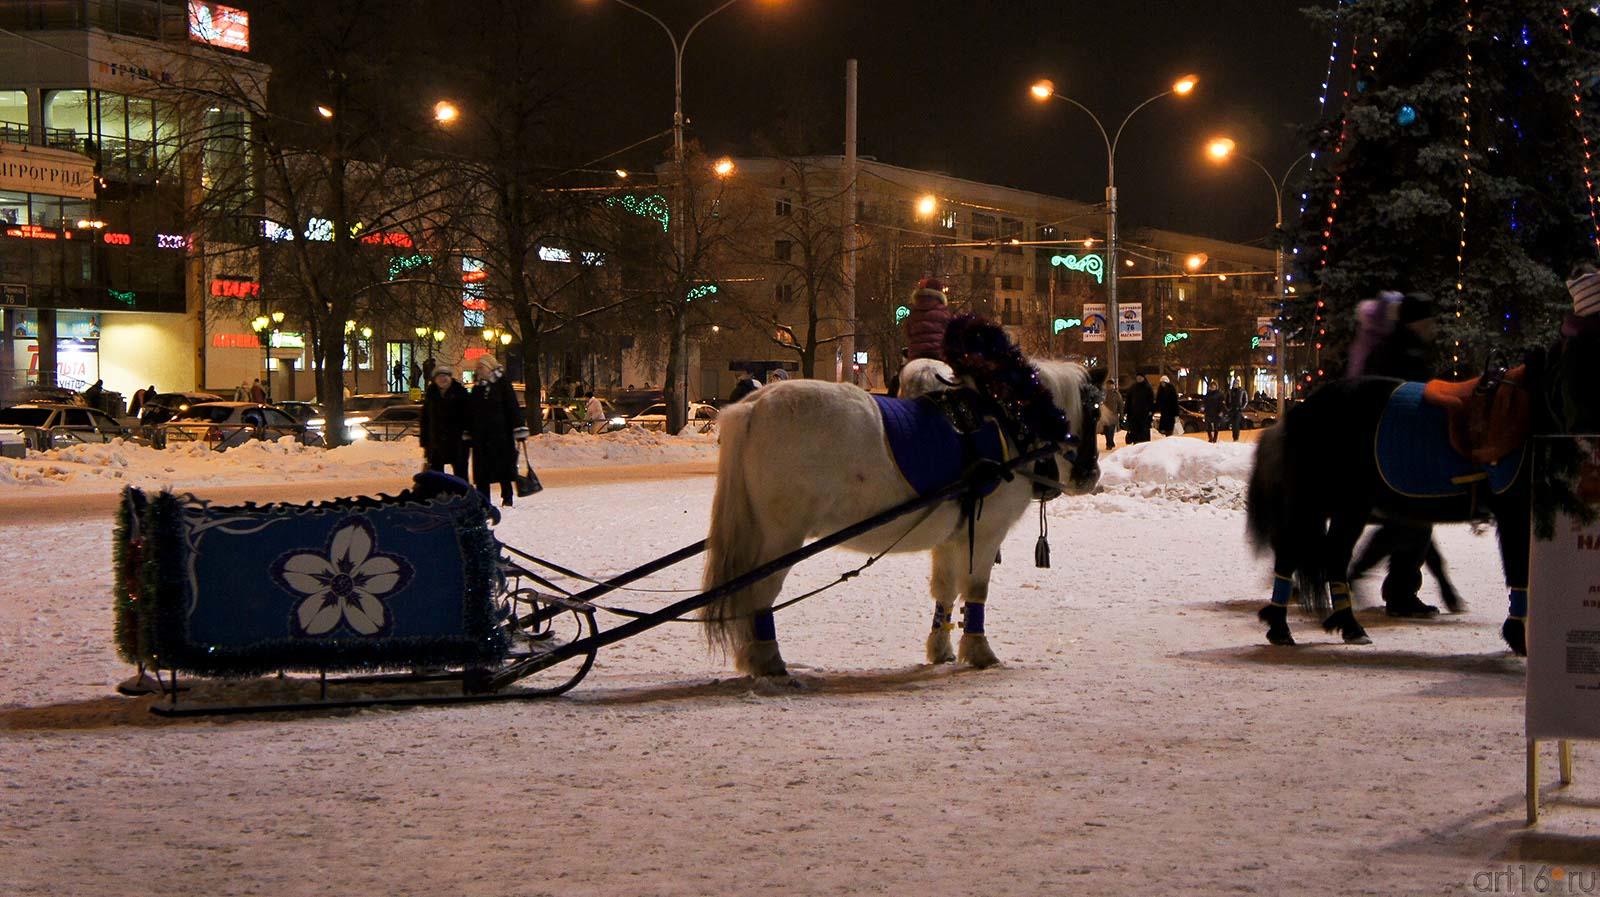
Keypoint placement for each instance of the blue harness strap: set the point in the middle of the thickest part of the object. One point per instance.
(1519, 604)
(1282, 588)
(765, 629)
(972, 618)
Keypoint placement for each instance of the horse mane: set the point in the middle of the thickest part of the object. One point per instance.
(979, 350)
(1065, 381)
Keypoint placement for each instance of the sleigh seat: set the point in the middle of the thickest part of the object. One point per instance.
(1490, 416)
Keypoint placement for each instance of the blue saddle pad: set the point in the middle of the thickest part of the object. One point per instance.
(1416, 459)
(927, 448)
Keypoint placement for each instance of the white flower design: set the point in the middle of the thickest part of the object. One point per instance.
(345, 583)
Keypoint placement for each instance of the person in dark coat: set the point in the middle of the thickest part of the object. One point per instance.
(1395, 340)
(1166, 406)
(930, 317)
(493, 422)
(258, 393)
(444, 422)
(1214, 405)
(95, 395)
(1141, 407)
(745, 386)
(1238, 401)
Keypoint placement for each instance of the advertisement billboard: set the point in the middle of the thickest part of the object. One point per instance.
(1130, 322)
(1094, 323)
(219, 26)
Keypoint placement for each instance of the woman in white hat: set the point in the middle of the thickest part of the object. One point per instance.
(494, 420)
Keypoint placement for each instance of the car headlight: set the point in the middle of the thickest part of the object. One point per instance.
(315, 423)
(355, 421)
(619, 422)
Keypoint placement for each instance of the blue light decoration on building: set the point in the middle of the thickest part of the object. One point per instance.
(1407, 116)
(401, 264)
(1061, 324)
(1171, 338)
(901, 313)
(653, 207)
(700, 292)
(126, 297)
(1089, 264)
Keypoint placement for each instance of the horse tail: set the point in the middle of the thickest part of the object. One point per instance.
(733, 546)
(1279, 512)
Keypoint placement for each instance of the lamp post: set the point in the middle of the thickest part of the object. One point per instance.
(1045, 90)
(266, 327)
(1220, 150)
(680, 338)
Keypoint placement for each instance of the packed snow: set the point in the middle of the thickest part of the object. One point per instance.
(108, 467)
(1140, 737)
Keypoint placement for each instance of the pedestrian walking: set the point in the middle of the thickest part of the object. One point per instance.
(493, 424)
(1110, 413)
(444, 422)
(746, 385)
(1167, 406)
(1215, 408)
(1141, 405)
(258, 393)
(1238, 399)
(595, 411)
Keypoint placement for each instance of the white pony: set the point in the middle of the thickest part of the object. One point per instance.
(805, 458)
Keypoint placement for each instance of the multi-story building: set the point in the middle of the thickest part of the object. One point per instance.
(1034, 262)
(101, 278)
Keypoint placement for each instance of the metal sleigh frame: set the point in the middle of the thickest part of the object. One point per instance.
(566, 661)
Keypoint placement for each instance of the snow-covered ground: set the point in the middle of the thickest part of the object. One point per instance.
(1141, 737)
(101, 468)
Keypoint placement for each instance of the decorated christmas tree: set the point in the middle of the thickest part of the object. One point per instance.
(1454, 158)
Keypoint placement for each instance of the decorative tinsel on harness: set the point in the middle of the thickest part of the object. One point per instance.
(979, 349)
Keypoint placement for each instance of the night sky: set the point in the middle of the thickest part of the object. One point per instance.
(944, 86)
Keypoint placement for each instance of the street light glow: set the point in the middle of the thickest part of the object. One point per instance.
(622, 173)
(277, 317)
(1183, 86)
(1220, 148)
(1043, 89)
(723, 167)
(1196, 262)
(927, 204)
(446, 112)
(324, 111)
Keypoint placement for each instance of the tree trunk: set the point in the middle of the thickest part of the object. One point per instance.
(532, 368)
(673, 393)
(330, 381)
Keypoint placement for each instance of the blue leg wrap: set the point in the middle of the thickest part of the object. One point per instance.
(1340, 593)
(972, 618)
(1519, 604)
(1282, 588)
(763, 625)
(941, 618)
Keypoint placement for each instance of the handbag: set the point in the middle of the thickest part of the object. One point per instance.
(527, 483)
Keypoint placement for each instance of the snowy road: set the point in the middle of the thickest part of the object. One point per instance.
(1141, 738)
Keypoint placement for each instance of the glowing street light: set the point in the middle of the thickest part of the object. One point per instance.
(324, 111)
(1043, 89)
(927, 205)
(622, 174)
(1184, 85)
(446, 112)
(723, 167)
(1196, 262)
(1220, 149)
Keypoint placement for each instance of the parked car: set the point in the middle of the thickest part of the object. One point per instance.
(40, 394)
(165, 405)
(702, 417)
(42, 426)
(393, 422)
(300, 411)
(358, 409)
(223, 425)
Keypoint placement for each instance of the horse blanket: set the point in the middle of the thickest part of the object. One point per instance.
(928, 448)
(1415, 456)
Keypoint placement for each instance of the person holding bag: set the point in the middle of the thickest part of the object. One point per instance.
(444, 421)
(494, 425)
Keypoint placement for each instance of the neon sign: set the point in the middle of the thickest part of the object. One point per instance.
(116, 238)
(387, 238)
(653, 207)
(1061, 324)
(404, 263)
(1092, 265)
(901, 313)
(235, 288)
(126, 297)
(35, 232)
(700, 292)
(171, 241)
(219, 26)
(1171, 338)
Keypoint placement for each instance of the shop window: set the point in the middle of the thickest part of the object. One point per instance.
(141, 136)
(45, 211)
(166, 136)
(112, 135)
(13, 116)
(66, 118)
(14, 208)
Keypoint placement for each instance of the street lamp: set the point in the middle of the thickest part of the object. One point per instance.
(1044, 90)
(446, 113)
(266, 326)
(1220, 150)
(723, 167)
(677, 411)
(927, 205)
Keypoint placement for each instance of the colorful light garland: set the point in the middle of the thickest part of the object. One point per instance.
(1588, 157)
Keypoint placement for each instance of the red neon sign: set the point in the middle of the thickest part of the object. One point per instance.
(475, 277)
(388, 238)
(35, 232)
(235, 341)
(117, 239)
(235, 289)
(475, 304)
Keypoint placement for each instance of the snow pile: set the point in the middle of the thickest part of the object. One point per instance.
(1180, 469)
(90, 468)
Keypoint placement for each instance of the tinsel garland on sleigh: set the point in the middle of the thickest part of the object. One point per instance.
(156, 597)
(980, 350)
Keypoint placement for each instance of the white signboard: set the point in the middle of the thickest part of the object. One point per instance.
(1094, 323)
(1130, 322)
(1564, 617)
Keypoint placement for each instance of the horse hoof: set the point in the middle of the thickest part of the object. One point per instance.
(1411, 610)
(974, 651)
(1344, 622)
(761, 659)
(1515, 633)
(1453, 602)
(1277, 620)
(939, 649)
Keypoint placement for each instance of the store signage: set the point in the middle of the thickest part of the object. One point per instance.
(171, 241)
(13, 295)
(116, 238)
(235, 288)
(1130, 328)
(389, 238)
(1563, 683)
(35, 232)
(126, 297)
(1094, 322)
(235, 341)
(219, 26)
(41, 170)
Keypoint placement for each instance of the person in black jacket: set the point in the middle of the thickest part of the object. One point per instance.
(746, 385)
(1166, 406)
(1141, 406)
(493, 422)
(444, 422)
(1215, 407)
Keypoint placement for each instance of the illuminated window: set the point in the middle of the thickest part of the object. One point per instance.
(13, 116)
(14, 208)
(66, 118)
